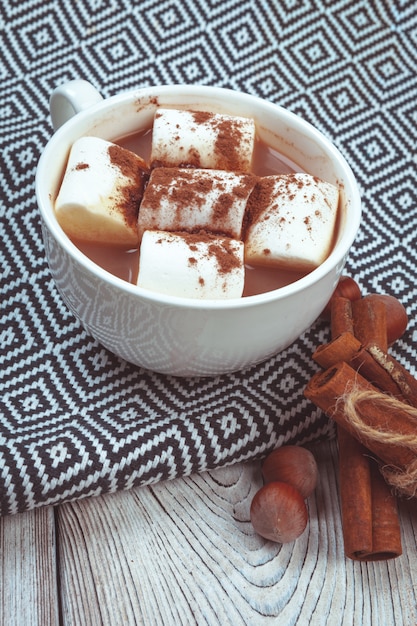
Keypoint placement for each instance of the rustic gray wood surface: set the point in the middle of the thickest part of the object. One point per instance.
(184, 552)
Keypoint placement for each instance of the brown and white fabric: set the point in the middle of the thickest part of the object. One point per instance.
(75, 420)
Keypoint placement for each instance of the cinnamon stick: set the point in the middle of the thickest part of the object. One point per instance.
(355, 496)
(369, 322)
(389, 375)
(343, 348)
(341, 320)
(370, 327)
(386, 531)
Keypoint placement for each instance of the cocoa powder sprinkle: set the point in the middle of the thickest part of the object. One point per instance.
(228, 141)
(261, 196)
(134, 169)
(202, 117)
(223, 250)
(187, 192)
(281, 187)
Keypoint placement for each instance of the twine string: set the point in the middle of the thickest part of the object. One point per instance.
(402, 479)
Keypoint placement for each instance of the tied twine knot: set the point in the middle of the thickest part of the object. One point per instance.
(403, 479)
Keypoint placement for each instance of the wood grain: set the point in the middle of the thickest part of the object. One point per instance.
(28, 581)
(184, 552)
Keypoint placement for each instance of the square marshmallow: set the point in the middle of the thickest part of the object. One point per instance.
(202, 139)
(191, 266)
(100, 193)
(181, 199)
(291, 222)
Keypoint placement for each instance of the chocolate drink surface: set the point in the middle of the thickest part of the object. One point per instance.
(123, 262)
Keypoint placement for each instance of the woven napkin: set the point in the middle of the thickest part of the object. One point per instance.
(77, 421)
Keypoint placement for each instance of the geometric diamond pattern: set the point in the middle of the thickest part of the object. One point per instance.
(74, 419)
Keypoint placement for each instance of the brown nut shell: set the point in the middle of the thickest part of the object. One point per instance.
(278, 512)
(294, 465)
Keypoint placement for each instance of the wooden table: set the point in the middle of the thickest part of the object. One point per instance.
(184, 552)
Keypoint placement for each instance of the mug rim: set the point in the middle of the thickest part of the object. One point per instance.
(335, 258)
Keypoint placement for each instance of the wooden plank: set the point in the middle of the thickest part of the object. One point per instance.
(184, 552)
(28, 569)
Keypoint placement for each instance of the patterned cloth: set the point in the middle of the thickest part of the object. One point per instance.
(74, 419)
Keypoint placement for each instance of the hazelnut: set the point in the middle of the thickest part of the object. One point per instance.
(294, 465)
(278, 512)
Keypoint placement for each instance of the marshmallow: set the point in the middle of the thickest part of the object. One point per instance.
(202, 139)
(181, 199)
(291, 221)
(100, 192)
(191, 266)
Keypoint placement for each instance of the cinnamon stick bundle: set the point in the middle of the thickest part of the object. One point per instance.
(371, 529)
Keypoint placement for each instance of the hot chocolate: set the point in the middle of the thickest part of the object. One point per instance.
(280, 243)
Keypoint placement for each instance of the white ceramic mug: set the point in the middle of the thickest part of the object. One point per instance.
(181, 336)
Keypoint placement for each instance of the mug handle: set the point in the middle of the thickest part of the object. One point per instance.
(70, 98)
